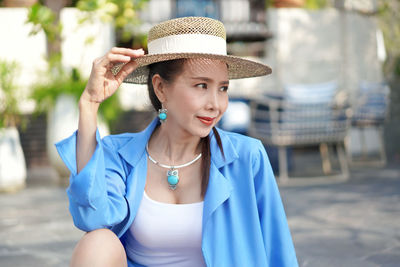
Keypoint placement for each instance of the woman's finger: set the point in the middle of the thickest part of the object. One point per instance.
(125, 70)
(117, 58)
(112, 57)
(127, 51)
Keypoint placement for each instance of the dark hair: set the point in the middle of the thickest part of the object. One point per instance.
(168, 70)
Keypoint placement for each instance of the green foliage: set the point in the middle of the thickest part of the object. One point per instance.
(315, 4)
(45, 95)
(396, 69)
(43, 18)
(111, 109)
(9, 112)
(122, 13)
(59, 82)
(308, 4)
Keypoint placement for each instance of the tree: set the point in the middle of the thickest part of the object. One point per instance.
(45, 17)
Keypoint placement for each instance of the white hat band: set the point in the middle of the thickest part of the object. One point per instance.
(188, 43)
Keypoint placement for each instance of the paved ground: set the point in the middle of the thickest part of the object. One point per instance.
(356, 223)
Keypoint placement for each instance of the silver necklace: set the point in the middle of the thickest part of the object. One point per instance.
(172, 173)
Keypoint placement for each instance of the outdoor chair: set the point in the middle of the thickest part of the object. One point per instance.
(369, 115)
(304, 115)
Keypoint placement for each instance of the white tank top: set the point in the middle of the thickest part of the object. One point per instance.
(165, 234)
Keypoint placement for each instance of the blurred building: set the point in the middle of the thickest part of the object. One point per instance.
(362, 6)
(301, 46)
(244, 20)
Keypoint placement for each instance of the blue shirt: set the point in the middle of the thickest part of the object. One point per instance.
(244, 223)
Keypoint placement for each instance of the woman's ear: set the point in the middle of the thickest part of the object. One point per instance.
(159, 87)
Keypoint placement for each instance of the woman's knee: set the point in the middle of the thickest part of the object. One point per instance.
(100, 247)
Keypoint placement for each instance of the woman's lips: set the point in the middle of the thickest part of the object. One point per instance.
(206, 120)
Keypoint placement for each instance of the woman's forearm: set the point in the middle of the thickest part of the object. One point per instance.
(101, 85)
(86, 139)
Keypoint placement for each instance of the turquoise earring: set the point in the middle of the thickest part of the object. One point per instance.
(162, 114)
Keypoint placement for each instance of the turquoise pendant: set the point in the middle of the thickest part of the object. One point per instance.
(173, 178)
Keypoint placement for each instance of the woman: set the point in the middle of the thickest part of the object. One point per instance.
(180, 193)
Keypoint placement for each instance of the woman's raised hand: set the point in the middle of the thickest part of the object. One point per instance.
(101, 85)
(102, 82)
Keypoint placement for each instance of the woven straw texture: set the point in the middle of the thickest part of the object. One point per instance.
(187, 25)
(237, 67)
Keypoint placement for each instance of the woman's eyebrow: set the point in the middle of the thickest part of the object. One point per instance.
(208, 79)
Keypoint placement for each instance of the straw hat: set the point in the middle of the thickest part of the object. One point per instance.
(191, 37)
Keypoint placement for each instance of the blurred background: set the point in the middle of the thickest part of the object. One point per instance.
(327, 115)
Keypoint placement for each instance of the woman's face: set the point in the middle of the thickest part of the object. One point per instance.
(198, 97)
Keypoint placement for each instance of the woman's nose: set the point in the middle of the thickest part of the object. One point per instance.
(213, 102)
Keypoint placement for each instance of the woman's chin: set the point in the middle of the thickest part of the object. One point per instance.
(204, 132)
(200, 131)
(197, 129)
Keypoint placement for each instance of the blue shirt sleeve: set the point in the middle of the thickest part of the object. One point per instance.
(276, 234)
(97, 193)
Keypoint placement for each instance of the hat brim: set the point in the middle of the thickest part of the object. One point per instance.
(237, 67)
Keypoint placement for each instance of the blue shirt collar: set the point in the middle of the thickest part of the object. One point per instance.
(133, 150)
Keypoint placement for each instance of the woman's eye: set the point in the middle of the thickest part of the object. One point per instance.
(202, 85)
(224, 88)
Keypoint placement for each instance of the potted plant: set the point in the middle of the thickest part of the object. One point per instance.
(58, 93)
(12, 161)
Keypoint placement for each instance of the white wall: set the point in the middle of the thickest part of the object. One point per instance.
(306, 45)
(76, 51)
(28, 51)
(316, 46)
